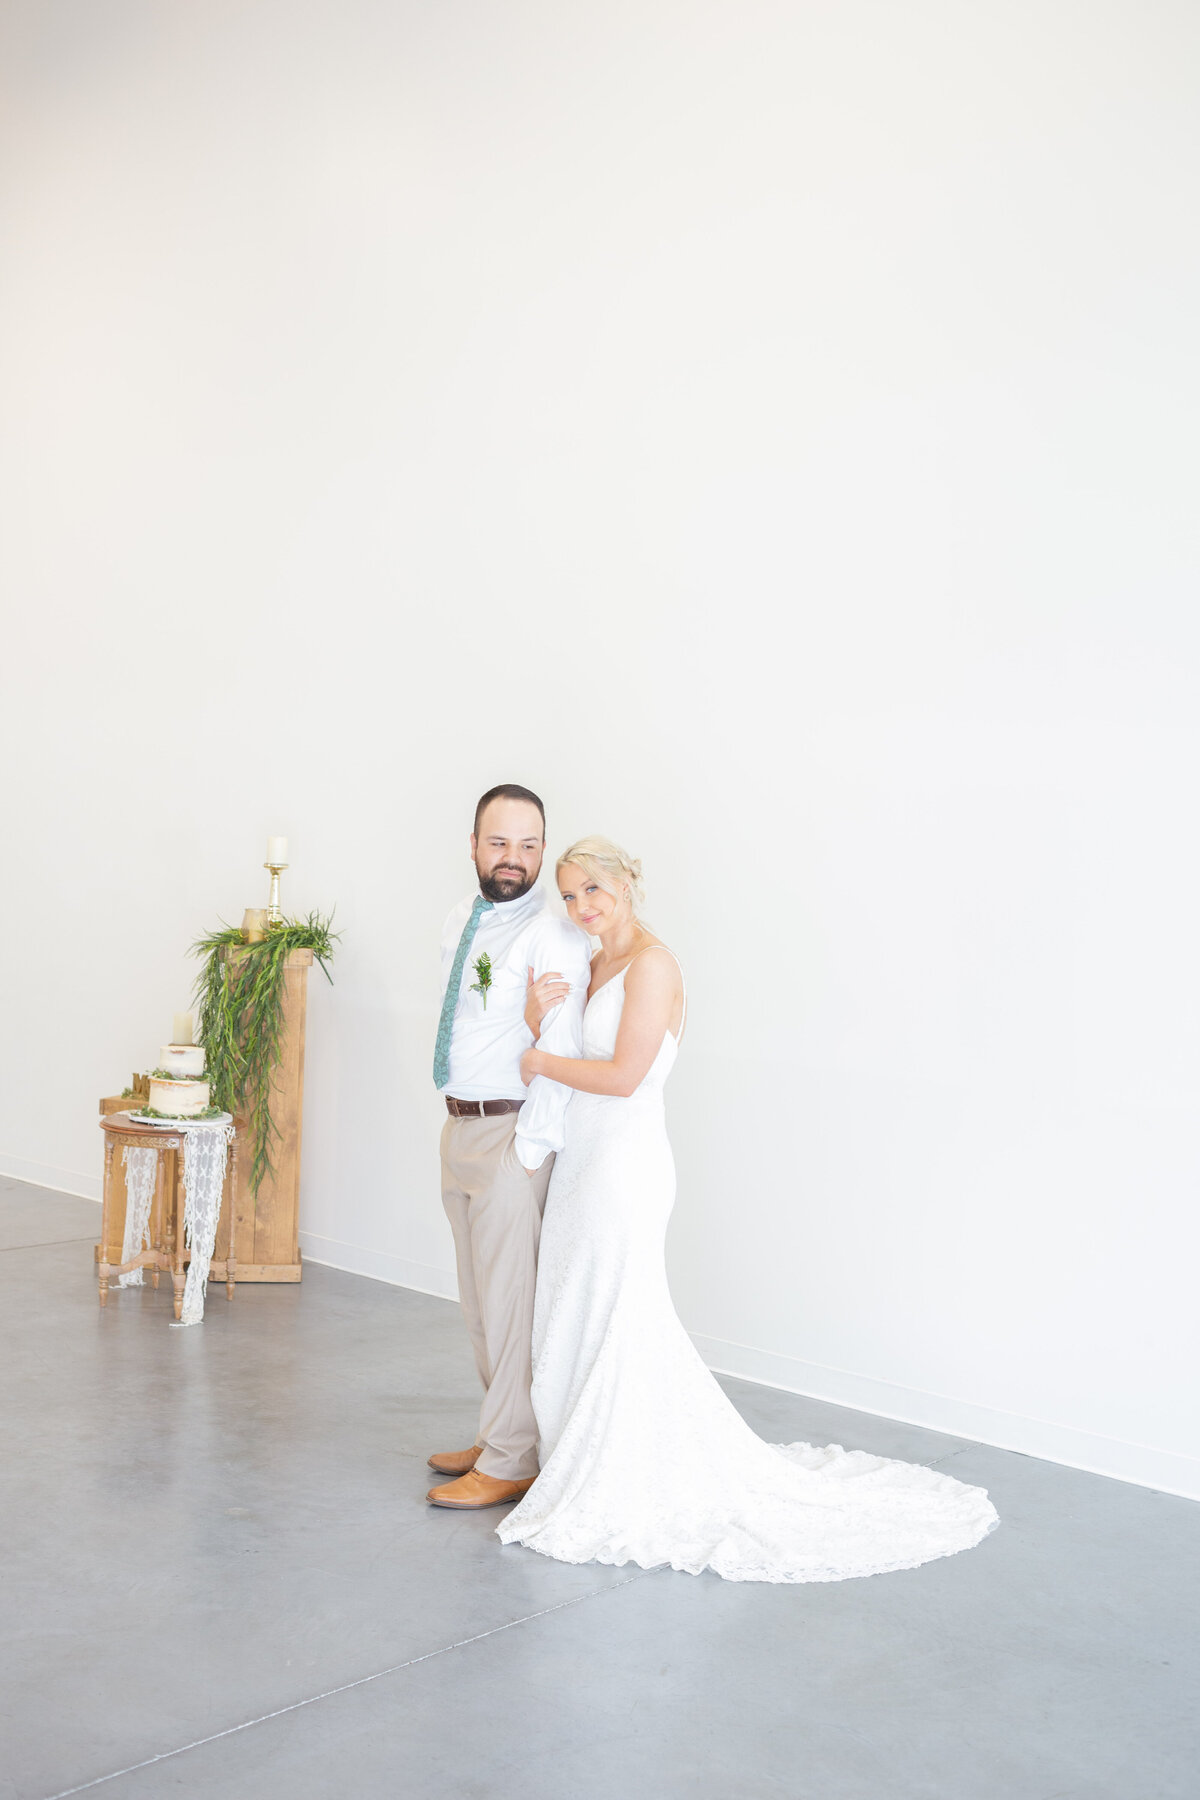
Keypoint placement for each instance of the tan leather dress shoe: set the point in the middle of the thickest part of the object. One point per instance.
(474, 1490)
(455, 1462)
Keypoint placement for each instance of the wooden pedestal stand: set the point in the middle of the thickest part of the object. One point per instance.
(267, 1227)
(266, 1231)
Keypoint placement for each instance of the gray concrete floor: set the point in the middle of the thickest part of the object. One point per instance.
(222, 1580)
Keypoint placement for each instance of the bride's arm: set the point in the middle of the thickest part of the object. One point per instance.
(650, 994)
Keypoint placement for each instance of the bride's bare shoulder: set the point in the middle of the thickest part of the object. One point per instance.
(659, 971)
(654, 943)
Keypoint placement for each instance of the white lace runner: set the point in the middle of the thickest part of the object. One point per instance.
(206, 1151)
(141, 1168)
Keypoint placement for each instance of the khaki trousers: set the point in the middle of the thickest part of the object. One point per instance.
(495, 1213)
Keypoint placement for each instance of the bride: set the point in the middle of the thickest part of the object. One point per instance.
(643, 1458)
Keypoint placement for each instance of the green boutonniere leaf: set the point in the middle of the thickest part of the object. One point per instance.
(483, 968)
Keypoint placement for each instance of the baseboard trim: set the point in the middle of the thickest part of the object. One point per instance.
(1168, 1471)
(63, 1181)
(379, 1265)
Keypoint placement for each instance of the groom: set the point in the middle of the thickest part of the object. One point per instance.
(499, 1141)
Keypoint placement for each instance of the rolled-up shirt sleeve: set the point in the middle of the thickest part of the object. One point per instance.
(540, 1124)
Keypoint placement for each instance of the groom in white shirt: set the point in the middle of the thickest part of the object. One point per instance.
(499, 1140)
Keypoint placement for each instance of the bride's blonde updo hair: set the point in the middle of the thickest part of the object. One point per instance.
(609, 866)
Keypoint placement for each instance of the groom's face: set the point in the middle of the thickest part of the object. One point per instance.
(508, 851)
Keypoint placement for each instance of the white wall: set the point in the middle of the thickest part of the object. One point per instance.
(767, 430)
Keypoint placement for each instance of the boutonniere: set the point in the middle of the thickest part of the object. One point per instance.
(483, 968)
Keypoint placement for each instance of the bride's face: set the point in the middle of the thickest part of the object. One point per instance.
(588, 905)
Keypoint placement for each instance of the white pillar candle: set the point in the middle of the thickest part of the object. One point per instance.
(276, 849)
(182, 1033)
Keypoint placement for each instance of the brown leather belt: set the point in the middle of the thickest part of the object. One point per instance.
(480, 1109)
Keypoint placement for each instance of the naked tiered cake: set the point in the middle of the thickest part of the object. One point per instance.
(177, 1086)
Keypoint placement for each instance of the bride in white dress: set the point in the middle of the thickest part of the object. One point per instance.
(643, 1458)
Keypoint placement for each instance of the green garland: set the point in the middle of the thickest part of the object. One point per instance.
(241, 1019)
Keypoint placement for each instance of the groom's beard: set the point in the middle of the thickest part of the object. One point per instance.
(505, 884)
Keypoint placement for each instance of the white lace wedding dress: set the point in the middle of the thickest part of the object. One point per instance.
(643, 1459)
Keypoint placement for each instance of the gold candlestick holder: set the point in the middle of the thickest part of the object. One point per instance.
(274, 915)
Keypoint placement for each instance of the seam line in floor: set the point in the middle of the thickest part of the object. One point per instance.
(936, 1461)
(50, 1244)
(347, 1686)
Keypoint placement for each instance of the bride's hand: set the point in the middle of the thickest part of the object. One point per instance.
(528, 1062)
(540, 995)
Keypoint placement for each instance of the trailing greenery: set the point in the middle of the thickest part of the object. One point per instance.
(241, 1019)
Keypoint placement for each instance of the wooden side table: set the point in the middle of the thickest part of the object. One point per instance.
(168, 1249)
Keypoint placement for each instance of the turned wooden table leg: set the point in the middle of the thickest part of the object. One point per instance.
(170, 1217)
(177, 1268)
(104, 1214)
(156, 1228)
(231, 1190)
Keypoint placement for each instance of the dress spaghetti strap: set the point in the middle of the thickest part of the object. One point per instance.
(682, 977)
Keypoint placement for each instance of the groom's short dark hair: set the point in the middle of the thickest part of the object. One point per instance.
(508, 790)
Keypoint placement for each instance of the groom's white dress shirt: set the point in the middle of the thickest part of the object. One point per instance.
(487, 1043)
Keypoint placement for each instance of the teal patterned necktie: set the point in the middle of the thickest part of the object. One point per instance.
(441, 1055)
